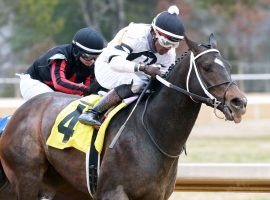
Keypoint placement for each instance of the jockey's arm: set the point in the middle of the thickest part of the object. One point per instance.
(118, 59)
(61, 83)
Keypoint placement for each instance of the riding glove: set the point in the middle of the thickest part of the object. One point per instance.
(151, 70)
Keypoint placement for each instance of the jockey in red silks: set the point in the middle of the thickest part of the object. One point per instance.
(67, 68)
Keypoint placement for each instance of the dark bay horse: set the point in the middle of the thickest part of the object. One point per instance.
(143, 163)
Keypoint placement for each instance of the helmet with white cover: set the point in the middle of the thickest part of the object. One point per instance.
(168, 27)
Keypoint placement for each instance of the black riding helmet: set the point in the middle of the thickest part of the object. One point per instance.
(169, 23)
(87, 40)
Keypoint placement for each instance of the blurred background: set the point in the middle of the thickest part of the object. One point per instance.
(242, 29)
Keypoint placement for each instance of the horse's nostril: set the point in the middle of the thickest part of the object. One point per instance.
(239, 103)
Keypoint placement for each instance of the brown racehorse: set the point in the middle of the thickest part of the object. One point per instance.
(143, 163)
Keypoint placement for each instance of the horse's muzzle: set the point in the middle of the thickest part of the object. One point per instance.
(235, 108)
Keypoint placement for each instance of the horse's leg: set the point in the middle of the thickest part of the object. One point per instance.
(25, 187)
(24, 164)
(117, 194)
(28, 184)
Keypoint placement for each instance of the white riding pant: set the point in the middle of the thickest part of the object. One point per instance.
(30, 87)
(109, 78)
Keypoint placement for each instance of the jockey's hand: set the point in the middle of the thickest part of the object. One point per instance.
(151, 70)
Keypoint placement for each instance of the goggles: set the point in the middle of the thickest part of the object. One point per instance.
(165, 42)
(87, 56)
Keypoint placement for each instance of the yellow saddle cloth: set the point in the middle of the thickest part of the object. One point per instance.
(67, 131)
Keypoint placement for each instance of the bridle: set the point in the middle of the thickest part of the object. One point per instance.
(209, 100)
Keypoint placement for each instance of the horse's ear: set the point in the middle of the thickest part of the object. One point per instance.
(193, 46)
(213, 41)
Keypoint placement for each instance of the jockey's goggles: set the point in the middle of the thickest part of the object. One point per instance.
(87, 56)
(165, 42)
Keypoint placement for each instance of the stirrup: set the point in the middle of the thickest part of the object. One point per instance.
(90, 117)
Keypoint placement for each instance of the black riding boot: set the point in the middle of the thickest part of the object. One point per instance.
(91, 117)
(115, 96)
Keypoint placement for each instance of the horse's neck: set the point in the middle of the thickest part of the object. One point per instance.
(172, 114)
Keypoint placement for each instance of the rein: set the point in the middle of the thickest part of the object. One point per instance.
(195, 96)
(151, 137)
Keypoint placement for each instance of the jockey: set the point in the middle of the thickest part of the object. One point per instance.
(137, 52)
(67, 68)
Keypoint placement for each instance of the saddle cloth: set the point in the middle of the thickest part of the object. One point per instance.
(68, 132)
(3, 123)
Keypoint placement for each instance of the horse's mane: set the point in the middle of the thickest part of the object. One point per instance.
(183, 55)
(156, 85)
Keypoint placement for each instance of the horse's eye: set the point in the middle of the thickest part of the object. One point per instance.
(207, 68)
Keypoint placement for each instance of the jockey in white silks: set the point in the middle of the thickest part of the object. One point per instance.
(137, 52)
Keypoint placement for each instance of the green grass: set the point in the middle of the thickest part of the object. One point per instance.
(227, 150)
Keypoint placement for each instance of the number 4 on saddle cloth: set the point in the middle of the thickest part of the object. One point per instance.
(68, 132)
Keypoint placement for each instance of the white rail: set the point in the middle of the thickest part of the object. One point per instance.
(223, 177)
(251, 76)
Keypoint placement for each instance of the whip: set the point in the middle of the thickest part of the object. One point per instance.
(124, 124)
